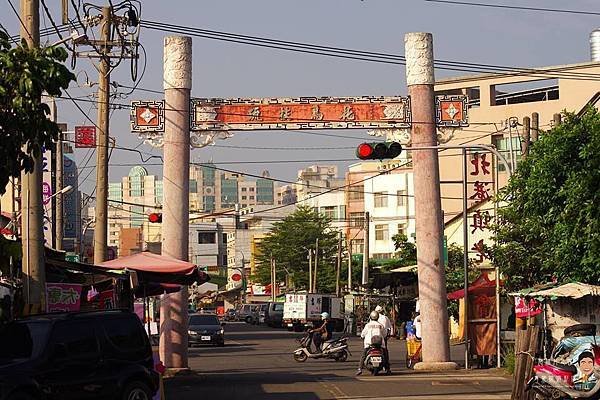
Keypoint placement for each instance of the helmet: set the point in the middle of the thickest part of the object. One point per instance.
(379, 309)
(325, 315)
(374, 316)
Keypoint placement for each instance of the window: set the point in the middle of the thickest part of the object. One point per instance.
(401, 194)
(77, 337)
(356, 192)
(206, 237)
(205, 320)
(224, 238)
(328, 211)
(357, 219)
(382, 256)
(243, 189)
(402, 229)
(123, 334)
(243, 197)
(252, 189)
(358, 246)
(381, 199)
(503, 146)
(251, 197)
(22, 340)
(225, 260)
(382, 232)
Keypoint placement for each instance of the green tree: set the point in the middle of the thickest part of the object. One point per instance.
(288, 244)
(550, 229)
(406, 251)
(25, 74)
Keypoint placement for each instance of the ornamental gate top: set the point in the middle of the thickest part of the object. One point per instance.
(211, 118)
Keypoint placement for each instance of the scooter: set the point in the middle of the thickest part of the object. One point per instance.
(558, 377)
(336, 349)
(375, 359)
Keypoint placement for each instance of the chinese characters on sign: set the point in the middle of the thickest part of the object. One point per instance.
(63, 297)
(85, 137)
(300, 113)
(480, 219)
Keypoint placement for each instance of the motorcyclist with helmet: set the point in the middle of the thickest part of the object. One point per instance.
(371, 330)
(323, 332)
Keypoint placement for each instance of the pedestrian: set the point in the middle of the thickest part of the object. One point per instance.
(371, 330)
(389, 331)
(417, 326)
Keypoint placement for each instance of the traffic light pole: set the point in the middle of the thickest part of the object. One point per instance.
(177, 83)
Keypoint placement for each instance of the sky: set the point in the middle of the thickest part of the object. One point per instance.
(221, 69)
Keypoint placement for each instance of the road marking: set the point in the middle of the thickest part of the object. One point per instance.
(438, 378)
(333, 389)
(454, 382)
(458, 396)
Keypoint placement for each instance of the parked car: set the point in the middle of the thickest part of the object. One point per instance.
(245, 313)
(258, 314)
(206, 329)
(274, 315)
(230, 315)
(91, 355)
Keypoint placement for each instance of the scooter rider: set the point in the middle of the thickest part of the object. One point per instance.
(387, 324)
(372, 329)
(324, 332)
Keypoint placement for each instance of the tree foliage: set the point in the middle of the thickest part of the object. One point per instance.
(406, 251)
(288, 244)
(550, 229)
(25, 74)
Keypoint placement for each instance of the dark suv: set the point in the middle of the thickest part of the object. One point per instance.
(93, 355)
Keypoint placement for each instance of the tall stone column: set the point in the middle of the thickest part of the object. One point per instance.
(176, 181)
(428, 207)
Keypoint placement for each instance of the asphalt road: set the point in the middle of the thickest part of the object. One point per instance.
(257, 363)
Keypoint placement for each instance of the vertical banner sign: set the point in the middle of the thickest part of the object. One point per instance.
(70, 205)
(63, 297)
(48, 187)
(481, 192)
(85, 137)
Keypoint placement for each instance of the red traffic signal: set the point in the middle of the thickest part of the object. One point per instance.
(378, 150)
(155, 218)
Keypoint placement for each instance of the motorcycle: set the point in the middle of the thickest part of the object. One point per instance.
(375, 359)
(573, 370)
(336, 349)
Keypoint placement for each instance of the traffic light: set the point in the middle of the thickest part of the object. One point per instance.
(378, 150)
(155, 218)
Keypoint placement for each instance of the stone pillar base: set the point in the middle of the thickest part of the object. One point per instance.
(436, 366)
(170, 372)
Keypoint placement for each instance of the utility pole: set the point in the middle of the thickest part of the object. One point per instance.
(101, 228)
(526, 135)
(429, 229)
(177, 82)
(273, 279)
(349, 265)
(338, 266)
(58, 225)
(365, 266)
(32, 216)
(535, 127)
(316, 266)
(310, 279)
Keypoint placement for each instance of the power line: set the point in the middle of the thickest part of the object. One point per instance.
(554, 10)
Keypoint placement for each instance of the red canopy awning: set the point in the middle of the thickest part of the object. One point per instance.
(482, 285)
(150, 262)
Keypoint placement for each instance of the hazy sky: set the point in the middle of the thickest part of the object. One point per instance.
(471, 34)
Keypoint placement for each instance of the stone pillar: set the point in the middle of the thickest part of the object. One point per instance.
(428, 208)
(176, 151)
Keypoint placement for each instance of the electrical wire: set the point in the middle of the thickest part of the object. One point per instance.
(506, 6)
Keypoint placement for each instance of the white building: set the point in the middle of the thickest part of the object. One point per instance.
(389, 199)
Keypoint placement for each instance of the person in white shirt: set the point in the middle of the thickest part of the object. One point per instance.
(387, 324)
(371, 330)
(417, 325)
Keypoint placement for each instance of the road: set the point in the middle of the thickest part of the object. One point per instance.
(256, 363)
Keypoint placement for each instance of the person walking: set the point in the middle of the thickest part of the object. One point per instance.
(389, 331)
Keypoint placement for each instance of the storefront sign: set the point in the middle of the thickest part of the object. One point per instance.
(525, 308)
(63, 297)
